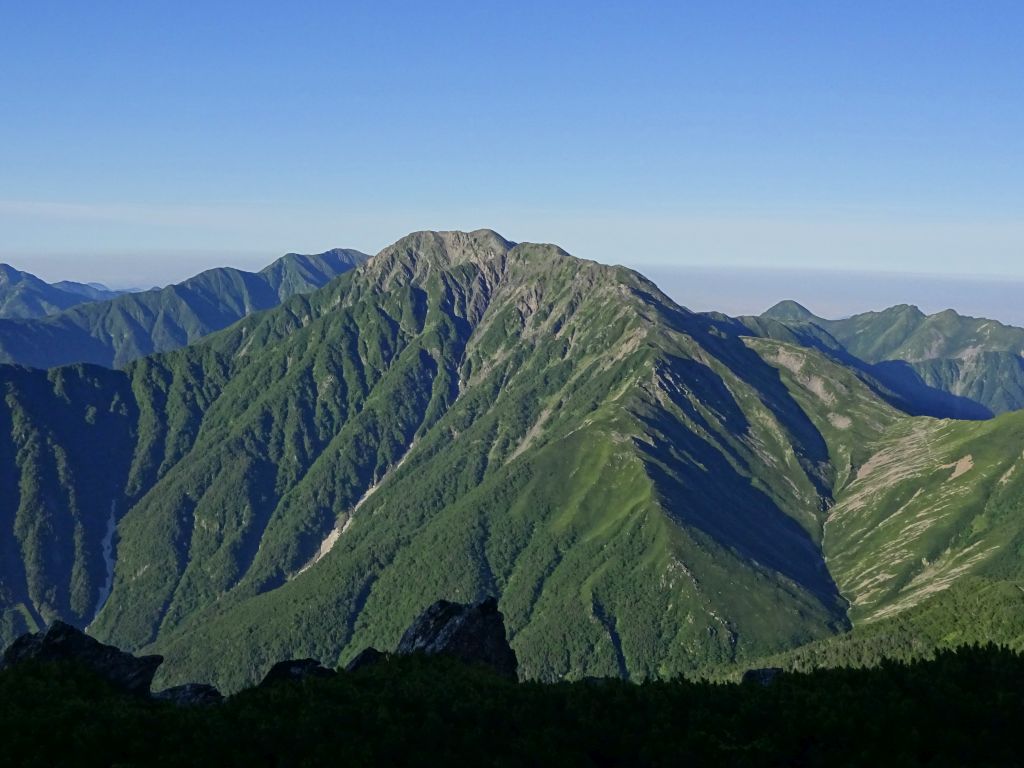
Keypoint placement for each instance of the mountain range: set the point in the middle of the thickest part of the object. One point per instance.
(132, 325)
(941, 365)
(650, 491)
(23, 295)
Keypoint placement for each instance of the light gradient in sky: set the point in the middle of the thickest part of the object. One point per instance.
(140, 142)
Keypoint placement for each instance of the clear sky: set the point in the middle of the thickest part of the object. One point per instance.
(142, 141)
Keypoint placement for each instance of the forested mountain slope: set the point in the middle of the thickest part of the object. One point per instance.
(648, 490)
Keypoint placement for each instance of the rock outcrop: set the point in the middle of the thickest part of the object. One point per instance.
(367, 657)
(763, 677)
(62, 642)
(473, 633)
(190, 695)
(296, 669)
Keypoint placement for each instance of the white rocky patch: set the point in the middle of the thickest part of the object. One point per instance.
(107, 547)
(336, 533)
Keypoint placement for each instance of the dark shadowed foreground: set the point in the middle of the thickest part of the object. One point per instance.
(962, 708)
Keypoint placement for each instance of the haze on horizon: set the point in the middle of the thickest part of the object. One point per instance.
(142, 145)
(737, 291)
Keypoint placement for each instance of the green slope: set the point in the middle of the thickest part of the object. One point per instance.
(977, 364)
(114, 332)
(937, 500)
(462, 416)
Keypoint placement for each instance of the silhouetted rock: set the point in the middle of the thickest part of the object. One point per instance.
(471, 633)
(599, 682)
(62, 642)
(191, 695)
(296, 669)
(367, 657)
(763, 677)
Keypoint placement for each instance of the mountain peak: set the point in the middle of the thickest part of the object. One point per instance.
(904, 309)
(453, 246)
(419, 254)
(790, 310)
(9, 274)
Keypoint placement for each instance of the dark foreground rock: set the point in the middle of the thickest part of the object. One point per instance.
(62, 642)
(191, 695)
(296, 669)
(473, 633)
(763, 677)
(367, 657)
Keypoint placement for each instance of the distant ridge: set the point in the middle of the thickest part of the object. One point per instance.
(90, 291)
(132, 325)
(25, 296)
(977, 363)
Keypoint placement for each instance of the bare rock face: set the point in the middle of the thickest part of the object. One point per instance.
(296, 669)
(62, 642)
(190, 695)
(473, 633)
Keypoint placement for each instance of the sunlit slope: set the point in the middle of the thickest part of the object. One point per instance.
(925, 539)
(936, 501)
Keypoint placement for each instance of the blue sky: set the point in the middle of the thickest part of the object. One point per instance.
(140, 142)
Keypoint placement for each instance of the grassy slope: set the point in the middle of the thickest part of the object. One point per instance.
(926, 543)
(937, 500)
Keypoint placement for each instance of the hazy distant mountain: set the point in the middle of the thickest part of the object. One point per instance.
(648, 490)
(113, 332)
(90, 291)
(972, 367)
(23, 295)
